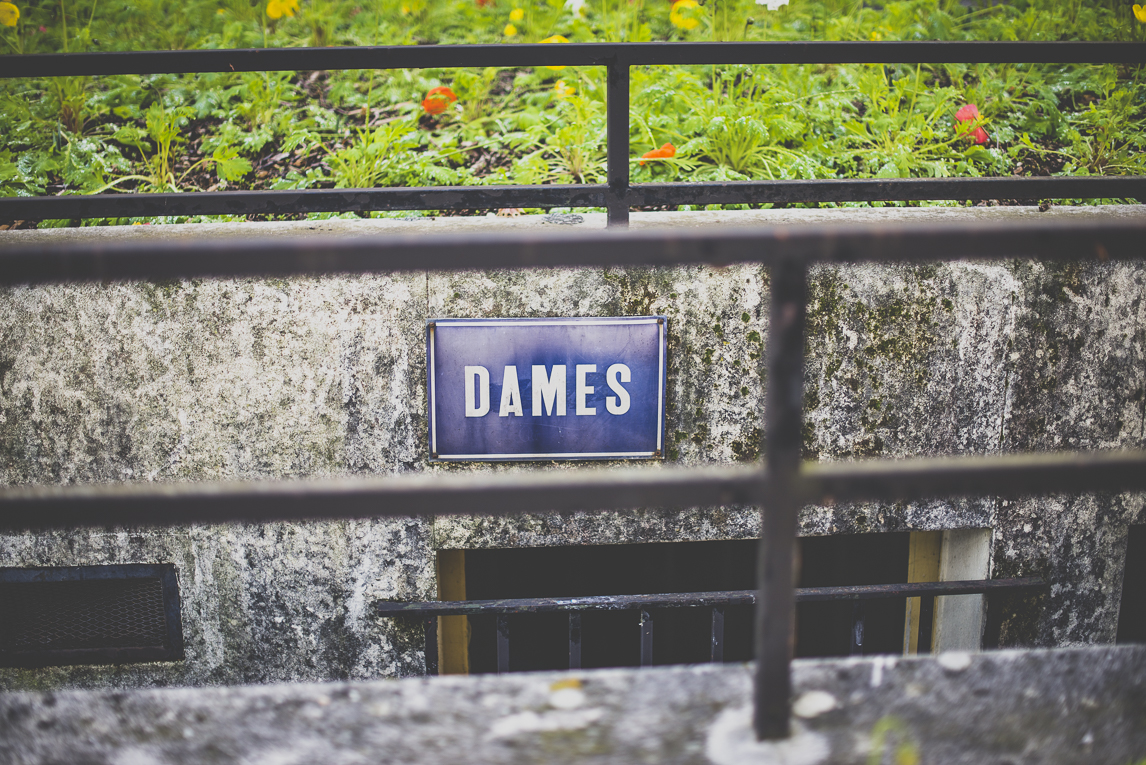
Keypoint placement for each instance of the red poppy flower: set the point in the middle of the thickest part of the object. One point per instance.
(667, 151)
(970, 113)
(438, 100)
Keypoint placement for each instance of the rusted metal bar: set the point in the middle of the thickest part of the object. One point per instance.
(574, 640)
(262, 501)
(502, 643)
(617, 123)
(715, 599)
(573, 54)
(718, 634)
(998, 475)
(431, 632)
(301, 201)
(174, 504)
(646, 638)
(618, 196)
(775, 607)
(857, 628)
(917, 589)
(875, 243)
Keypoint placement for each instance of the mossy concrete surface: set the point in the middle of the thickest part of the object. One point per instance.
(1080, 706)
(318, 377)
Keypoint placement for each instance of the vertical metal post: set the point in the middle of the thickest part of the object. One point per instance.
(574, 640)
(617, 123)
(646, 639)
(432, 645)
(926, 619)
(717, 635)
(857, 628)
(775, 603)
(502, 643)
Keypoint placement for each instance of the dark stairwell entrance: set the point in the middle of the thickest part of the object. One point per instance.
(610, 638)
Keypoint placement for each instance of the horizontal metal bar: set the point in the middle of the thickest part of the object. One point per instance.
(112, 205)
(573, 54)
(999, 475)
(918, 589)
(1077, 239)
(697, 599)
(887, 190)
(303, 201)
(545, 605)
(172, 504)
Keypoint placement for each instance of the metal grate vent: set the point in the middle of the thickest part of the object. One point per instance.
(89, 615)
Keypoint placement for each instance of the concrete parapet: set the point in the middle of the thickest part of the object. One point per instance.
(1008, 707)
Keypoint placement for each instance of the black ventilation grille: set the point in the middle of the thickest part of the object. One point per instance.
(89, 615)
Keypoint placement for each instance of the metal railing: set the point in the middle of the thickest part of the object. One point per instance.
(780, 486)
(429, 611)
(617, 195)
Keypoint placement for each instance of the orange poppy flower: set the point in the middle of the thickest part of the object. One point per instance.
(668, 151)
(438, 100)
(970, 113)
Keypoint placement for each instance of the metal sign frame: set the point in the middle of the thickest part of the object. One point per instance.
(658, 452)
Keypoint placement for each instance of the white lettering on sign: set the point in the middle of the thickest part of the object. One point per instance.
(549, 388)
(618, 404)
(584, 390)
(480, 376)
(510, 394)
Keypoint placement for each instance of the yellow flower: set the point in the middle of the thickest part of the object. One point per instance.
(516, 14)
(561, 90)
(684, 14)
(276, 9)
(221, 11)
(509, 31)
(555, 39)
(1140, 13)
(9, 14)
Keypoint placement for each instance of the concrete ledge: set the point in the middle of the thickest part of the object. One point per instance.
(1059, 706)
(560, 224)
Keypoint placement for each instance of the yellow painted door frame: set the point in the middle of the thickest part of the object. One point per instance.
(922, 566)
(453, 631)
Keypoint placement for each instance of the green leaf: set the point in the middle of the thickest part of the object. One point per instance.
(229, 166)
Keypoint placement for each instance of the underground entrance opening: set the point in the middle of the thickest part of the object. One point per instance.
(682, 635)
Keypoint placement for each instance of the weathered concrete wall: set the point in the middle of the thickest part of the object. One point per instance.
(321, 377)
(1080, 706)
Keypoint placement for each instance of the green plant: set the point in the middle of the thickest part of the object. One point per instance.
(165, 128)
(377, 157)
(307, 129)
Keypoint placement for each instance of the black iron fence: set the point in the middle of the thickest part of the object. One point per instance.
(617, 195)
(780, 486)
(429, 611)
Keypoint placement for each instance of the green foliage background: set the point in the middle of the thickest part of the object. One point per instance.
(283, 130)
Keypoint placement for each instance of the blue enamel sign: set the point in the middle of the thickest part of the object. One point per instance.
(546, 389)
